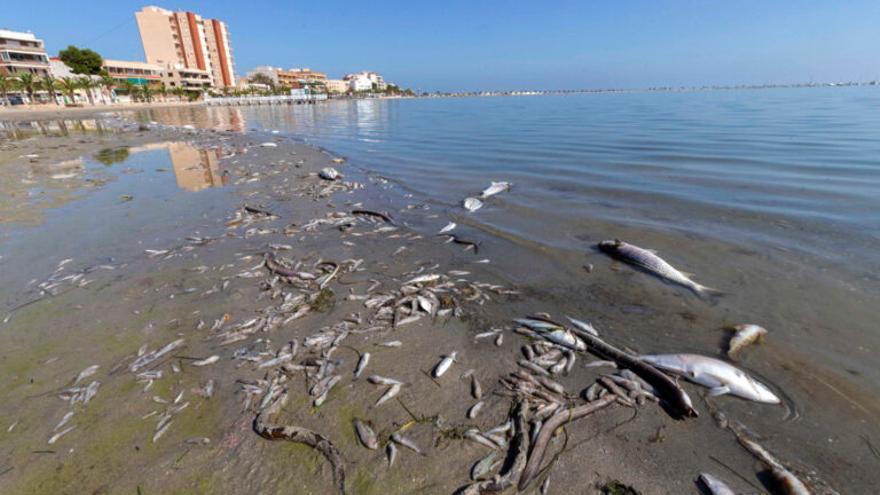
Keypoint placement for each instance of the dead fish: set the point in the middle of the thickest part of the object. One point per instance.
(391, 451)
(483, 466)
(328, 173)
(722, 378)
(381, 380)
(475, 435)
(161, 431)
(366, 435)
(405, 442)
(444, 364)
(583, 325)
(472, 204)
(86, 373)
(565, 338)
(205, 362)
(362, 363)
(474, 410)
(745, 335)
(449, 226)
(648, 260)
(422, 279)
(388, 395)
(715, 485)
(392, 343)
(54, 438)
(269, 144)
(63, 421)
(476, 389)
(495, 188)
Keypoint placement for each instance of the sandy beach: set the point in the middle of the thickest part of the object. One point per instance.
(23, 112)
(162, 342)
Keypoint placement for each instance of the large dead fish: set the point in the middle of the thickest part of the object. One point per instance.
(722, 378)
(648, 261)
(472, 204)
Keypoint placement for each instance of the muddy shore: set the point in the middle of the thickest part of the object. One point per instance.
(199, 276)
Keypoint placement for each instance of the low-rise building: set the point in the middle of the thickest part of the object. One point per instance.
(187, 78)
(22, 52)
(337, 86)
(139, 73)
(300, 75)
(359, 82)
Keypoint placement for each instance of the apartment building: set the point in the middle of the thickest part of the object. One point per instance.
(22, 52)
(186, 41)
(365, 81)
(336, 86)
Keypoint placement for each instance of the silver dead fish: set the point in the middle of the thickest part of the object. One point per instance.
(495, 188)
(722, 378)
(715, 485)
(444, 365)
(472, 204)
(649, 261)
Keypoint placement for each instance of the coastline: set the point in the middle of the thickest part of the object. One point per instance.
(57, 111)
(630, 454)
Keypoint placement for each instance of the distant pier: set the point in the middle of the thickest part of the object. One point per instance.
(266, 100)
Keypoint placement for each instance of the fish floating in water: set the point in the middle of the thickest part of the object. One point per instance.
(720, 377)
(472, 204)
(648, 260)
(495, 188)
(745, 335)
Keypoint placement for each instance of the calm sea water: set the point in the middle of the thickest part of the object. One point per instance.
(788, 170)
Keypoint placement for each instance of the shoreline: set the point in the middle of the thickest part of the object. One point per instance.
(281, 177)
(48, 111)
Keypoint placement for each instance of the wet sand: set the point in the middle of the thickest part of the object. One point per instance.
(127, 297)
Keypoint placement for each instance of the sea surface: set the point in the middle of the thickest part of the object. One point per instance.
(785, 170)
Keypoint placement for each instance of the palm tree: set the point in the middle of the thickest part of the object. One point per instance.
(49, 84)
(69, 86)
(130, 89)
(179, 92)
(27, 82)
(147, 93)
(107, 82)
(86, 83)
(7, 84)
(163, 90)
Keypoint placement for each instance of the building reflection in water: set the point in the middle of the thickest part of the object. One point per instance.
(195, 168)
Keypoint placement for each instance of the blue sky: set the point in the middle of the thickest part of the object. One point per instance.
(483, 44)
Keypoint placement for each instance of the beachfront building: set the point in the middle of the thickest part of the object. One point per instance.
(188, 79)
(139, 73)
(336, 86)
(22, 52)
(301, 76)
(365, 81)
(184, 41)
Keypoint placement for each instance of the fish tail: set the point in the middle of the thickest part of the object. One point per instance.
(707, 292)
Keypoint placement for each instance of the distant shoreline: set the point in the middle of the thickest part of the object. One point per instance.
(44, 111)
